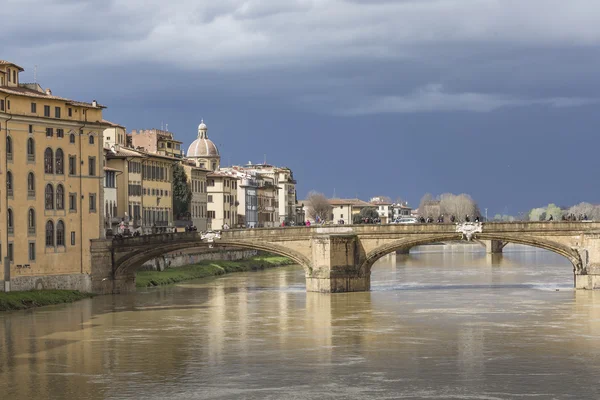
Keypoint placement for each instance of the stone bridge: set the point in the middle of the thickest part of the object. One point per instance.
(339, 258)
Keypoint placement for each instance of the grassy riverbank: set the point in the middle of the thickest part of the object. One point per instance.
(37, 298)
(206, 269)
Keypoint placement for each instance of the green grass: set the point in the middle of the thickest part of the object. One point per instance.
(207, 269)
(37, 298)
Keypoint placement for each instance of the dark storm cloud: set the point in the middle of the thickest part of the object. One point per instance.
(326, 71)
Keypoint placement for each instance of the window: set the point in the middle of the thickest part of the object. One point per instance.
(49, 132)
(30, 128)
(60, 133)
(210, 198)
(211, 214)
(60, 233)
(10, 252)
(72, 238)
(1, 105)
(8, 104)
(56, 112)
(92, 198)
(33, 108)
(91, 139)
(72, 165)
(60, 197)
(48, 161)
(49, 197)
(30, 149)
(72, 201)
(31, 221)
(46, 111)
(14, 76)
(49, 234)
(59, 161)
(32, 251)
(92, 165)
(70, 111)
(9, 148)
(10, 220)
(9, 183)
(30, 185)
(72, 138)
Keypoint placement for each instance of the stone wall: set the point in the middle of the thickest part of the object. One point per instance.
(81, 282)
(183, 258)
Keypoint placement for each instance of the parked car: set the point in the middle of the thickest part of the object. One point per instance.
(406, 220)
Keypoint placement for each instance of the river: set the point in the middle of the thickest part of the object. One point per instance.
(436, 325)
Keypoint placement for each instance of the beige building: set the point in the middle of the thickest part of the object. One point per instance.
(51, 184)
(268, 201)
(222, 200)
(156, 141)
(198, 204)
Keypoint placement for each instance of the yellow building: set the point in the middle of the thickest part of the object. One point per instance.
(144, 187)
(197, 184)
(51, 185)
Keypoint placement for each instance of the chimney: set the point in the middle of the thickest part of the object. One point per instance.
(94, 103)
(48, 92)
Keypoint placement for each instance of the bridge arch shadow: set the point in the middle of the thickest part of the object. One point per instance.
(404, 244)
(128, 264)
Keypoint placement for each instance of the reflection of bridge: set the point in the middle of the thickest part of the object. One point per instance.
(339, 258)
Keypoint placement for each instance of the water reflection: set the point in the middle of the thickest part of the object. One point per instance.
(435, 325)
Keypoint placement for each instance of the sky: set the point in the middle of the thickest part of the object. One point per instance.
(495, 98)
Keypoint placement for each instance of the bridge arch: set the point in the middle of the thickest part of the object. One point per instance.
(128, 264)
(569, 253)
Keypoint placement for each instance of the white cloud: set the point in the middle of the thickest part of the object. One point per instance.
(240, 34)
(433, 98)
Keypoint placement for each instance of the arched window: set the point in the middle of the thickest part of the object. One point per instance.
(60, 233)
(30, 149)
(31, 221)
(10, 221)
(50, 234)
(30, 185)
(49, 197)
(60, 197)
(9, 148)
(72, 138)
(60, 166)
(91, 139)
(48, 161)
(9, 183)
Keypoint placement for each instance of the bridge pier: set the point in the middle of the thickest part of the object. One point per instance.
(336, 261)
(494, 246)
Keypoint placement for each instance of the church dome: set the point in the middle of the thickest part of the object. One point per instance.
(202, 146)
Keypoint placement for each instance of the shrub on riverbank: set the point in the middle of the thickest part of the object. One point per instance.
(206, 269)
(37, 298)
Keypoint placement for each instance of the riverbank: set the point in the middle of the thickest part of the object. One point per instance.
(207, 269)
(37, 298)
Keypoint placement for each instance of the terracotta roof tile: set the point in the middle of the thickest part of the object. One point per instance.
(4, 62)
(23, 91)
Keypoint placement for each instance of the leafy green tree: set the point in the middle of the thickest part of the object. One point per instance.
(182, 194)
(554, 210)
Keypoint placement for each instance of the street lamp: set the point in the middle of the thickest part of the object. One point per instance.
(486, 215)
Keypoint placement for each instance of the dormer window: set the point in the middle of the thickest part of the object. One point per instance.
(8, 72)
(15, 76)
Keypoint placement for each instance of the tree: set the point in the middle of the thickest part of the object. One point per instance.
(458, 205)
(554, 211)
(318, 206)
(369, 212)
(182, 194)
(428, 206)
(537, 213)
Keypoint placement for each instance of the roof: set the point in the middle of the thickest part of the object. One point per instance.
(381, 203)
(112, 124)
(351, 202)
(24, 91)
(111, 169)
(4, 62)
(202, 147)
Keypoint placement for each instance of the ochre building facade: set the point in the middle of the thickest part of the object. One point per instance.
(51, 185)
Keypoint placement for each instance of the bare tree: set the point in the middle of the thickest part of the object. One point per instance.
(318, 206)
(458, 205)
(428, 206)
(592, 211)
